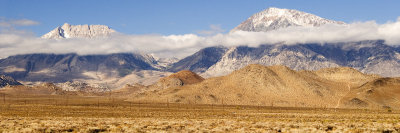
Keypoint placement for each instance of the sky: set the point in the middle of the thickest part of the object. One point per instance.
(169, 17)
(178, 28)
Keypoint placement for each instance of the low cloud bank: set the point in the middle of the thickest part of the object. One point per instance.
(16, 22)
(12, 43)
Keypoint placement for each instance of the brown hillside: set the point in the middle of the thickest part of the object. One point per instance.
(41, 89)
(257, 85)
(187, 77)
(128, 89)
(381, 92)
(180, 78)
(345, 74)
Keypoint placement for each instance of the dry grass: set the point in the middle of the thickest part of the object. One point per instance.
(255, 96)
(107, 114)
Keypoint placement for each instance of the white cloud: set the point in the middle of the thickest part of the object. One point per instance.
(183, 45)
(16, 22)
(214, 29)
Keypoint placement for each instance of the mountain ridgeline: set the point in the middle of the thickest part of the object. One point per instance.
(67, 67)
(199, 61)
(368, 56)
(79, 31)
(275, 18)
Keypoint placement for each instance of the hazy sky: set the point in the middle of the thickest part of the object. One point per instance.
(168, 17)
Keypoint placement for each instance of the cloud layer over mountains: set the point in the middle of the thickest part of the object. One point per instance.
(12, 43)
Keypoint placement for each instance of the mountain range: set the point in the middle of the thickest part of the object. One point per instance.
(79, 31)
(276, 18)
(255, 85)
(101, 71)
(116, 70)
(366, 56)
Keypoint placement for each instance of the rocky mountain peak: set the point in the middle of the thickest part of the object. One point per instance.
(79, 31)
(276, 18)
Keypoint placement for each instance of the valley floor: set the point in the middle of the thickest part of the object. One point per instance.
(107, 114)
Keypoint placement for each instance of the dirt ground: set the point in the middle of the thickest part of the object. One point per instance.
(105, 114)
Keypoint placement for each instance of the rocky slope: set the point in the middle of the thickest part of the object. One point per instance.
(275, 18)
(42, 89)
(366, 56)
(293, 56)
(87, 72)
(79, 31)
(6, 80)
(380, 92)
(199, 61)
(65, 67)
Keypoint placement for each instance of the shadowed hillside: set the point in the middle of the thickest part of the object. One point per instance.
(381, 92)
(178, 79)
(6, 80)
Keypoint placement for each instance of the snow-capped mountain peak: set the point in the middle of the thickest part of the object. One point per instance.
(79, 31)
(276, 18)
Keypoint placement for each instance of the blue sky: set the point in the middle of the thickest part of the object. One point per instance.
(167, 17)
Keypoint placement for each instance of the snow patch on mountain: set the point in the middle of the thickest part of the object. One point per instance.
(276, 18)
(79, 31)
